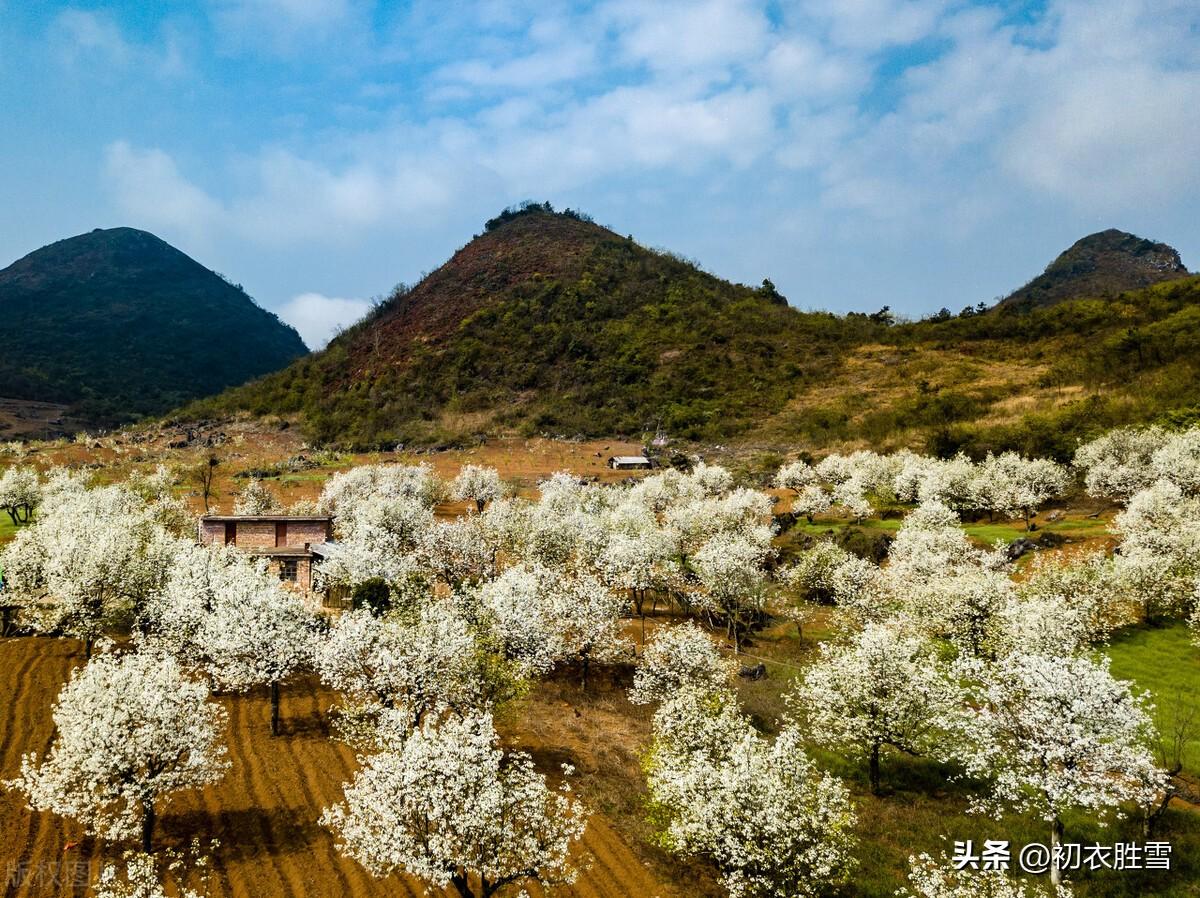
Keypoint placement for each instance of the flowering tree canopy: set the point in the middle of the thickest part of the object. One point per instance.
(1054, 734)
(773, 824)
(881, 689)
(477, 485)
(450, 807)
(20, 493)
(89, 561)
(681, 657)
(132, 729)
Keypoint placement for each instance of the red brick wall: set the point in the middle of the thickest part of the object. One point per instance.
(255, 535)
(212, 532)
(301, 532)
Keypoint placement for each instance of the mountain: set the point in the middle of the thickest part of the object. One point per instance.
(1101, 264)
(117, 324)
(549, 323)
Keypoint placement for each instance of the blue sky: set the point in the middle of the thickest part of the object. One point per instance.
(914, 153)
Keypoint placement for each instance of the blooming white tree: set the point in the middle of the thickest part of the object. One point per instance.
(519, 610)
(379, 538)
(478, 485)
(347, 492)
(772, 823)
(1054, 734)
(639, 558)
(422, 663)
(932, 878)
(949, 482)
(731, 568)
(1009, 484)
(256, 498)
(882, 689)
(1178, 460)
(223, 614)
(587, 615)
(1159, 554)
(1119, 464)
(448, 806)
(795, 476)
(88, 562)
(811, 501)
(131, 730)
(677, 658)
(459, 552)
(20, 493)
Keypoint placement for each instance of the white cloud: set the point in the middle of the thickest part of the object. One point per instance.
(318, 317)
(148, 186)
(83, 32)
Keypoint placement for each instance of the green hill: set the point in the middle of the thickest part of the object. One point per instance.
(1102, 264)
(118, 324)
(549, 323)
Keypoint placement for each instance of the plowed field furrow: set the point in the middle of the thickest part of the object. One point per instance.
(264, 813)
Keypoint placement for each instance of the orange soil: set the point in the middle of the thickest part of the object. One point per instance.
(265, 811)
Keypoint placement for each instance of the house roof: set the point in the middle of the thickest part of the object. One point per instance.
(630, 459)
(322, 518)
(280, 551)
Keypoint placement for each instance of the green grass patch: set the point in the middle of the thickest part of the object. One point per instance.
(1166, 663)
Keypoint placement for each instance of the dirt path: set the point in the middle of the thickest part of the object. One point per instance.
(264, 813)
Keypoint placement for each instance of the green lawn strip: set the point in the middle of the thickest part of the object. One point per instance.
(1166, 663)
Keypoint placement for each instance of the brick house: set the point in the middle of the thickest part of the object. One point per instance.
(287, 541)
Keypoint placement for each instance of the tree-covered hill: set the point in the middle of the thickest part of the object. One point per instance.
(1101, 264)
(119, 324)
(549, 323)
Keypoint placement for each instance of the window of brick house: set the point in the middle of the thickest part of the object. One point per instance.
(288, 569)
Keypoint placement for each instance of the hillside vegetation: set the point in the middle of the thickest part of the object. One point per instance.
(548, 323)
(117, 324)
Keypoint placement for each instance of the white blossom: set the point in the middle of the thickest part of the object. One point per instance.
(771, 822)
(882, 689)
(451, 808)
(477, 485)
(89, 561)
(1118, 464)
(131, 730)
(677, 658)
(1055, 734)
(20, 493)
(932, 878)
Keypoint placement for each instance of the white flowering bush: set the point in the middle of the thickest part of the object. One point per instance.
(478, 485)
(450, 807)
(1053, 734)
(678, 658)
(1119, 463)
(936, 878)
(131, 731)
(760, 810)
(20, 493)
(881, 689)
(89, 562)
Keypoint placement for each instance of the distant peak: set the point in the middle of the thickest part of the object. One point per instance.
(1102, 264)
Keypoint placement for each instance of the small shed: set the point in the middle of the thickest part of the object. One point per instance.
(629, 462)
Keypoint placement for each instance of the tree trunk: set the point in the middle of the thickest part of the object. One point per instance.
(462, 885)
(874, 772)
(587, 662)
(87, 647)
(1056, 834)
(274, 707)
(148, 818)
